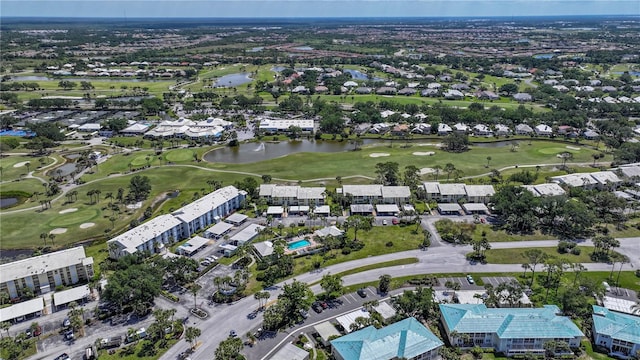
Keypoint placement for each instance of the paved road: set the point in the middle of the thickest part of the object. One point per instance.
(441, 259)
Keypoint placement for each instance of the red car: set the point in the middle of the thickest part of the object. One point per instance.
(395, 221)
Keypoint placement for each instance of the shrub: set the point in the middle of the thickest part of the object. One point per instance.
(346, 251)
(576, 251)
(389, 244)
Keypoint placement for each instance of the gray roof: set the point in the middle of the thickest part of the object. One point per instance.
(431, 187)
(475, 207)
(236, 218)
(363, 208)
(329, 230)
(449, 207)
(396, 192)
(290, 352)
(219, 228)
(73, 294)
(264, 248)
(203, 205)
(479, 190)
(21, 309)
(275, 210)
(310, 192)
(452, 189)
(143, 232)
(247, 234)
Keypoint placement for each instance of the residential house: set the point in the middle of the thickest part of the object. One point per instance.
(451, 192)
(386, 90)
(523, 129)
(295, 195)
(543, 130)
(377, 194)
(522, 97)
(363, 90)
(407, 91)
(406, 339)
(400, 130)
(617, 332)
(502, 130)
(429, 92)
(461, 128)
(487, 95)
(453, 94)
(597, 180)
(434, 85)
(479, 193)
(510, 331)
(590, 135)
(444, 129)
(421, 128)
(548, 189)
(283, 125)
(482, 130)
(608, 89)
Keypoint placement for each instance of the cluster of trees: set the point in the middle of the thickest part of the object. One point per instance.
(133, 285)
(19, 86)
(566, 217)
(295, 296)
(388, 173)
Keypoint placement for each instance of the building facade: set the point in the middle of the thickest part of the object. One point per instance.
(44, 273)
(617, 332)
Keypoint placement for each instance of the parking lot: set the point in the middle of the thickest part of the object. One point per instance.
(464, 283)
(497, 280)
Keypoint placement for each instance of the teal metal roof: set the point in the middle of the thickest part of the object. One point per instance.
(405, 339)
(616, 325)
(509, 323)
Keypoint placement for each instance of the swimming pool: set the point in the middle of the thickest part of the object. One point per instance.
(298, 244)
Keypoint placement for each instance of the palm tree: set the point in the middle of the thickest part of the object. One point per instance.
(51, 237)
(43, 236)
(109, 196)
(195, 287)
(28, 166)
(449, 168)
(488, 161)
(436, 171)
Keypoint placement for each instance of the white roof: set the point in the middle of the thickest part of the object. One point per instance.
(142, 233)
(347, 319)
(21, 309)
(90, 126)
(43, 263)
(298, 208)
(619, 305)
(396, 192)
(431, 187)
(206, 203)
(475, 207)
(580, 179)
(387, 311)
(264, 248)
(603, 177)
(136, 128)
(326, 330)
(630, 171)
(479, 190)
(387, 208)
(324, 209)
(193, 244)
(449, 207)
(548, 189)
(247, 234)
(290, 352)
(74, 294)
(310, 192)
(362, 190)
(329, 230)
(275, 210)
(284, 124)
(236, 218)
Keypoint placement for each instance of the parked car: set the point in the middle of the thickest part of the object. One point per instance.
(395, 221)
(205, 263)
(69, 335)
(362, 292)
(66, 322)
(470, 279)
(317, 307)
(233, 333)
(384, 222)
(63, 356)
(211, 259)
(304, 313)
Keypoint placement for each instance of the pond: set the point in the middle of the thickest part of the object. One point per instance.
(6, 202)
(253, 152)
(30, 78)
(359, 75)
(64, 170)
(233, 80)
(256, 49)
(632, 73)
(543, 56)
(303, 48)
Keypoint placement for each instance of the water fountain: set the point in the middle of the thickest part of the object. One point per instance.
(260, 147)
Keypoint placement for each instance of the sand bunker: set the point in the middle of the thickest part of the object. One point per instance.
(20, 164)
(137, 205)
(375, 155)
(428, 144)
(86, 225)
(423, 153)
(572, 147)
(425, 171)
(57, 231)
(70, 210)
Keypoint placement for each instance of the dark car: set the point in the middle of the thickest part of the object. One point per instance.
(62, 356)
(362, 292)
(317, 307)
(233, 333)
(324, 304)
(66, 322)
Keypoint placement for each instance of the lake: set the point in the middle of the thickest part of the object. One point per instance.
(253, 152)
(632, 73)
(543, 56)
(303, 48)
(233, 80)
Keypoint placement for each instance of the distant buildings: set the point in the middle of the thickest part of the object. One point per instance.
(292, 195)
(452, 192)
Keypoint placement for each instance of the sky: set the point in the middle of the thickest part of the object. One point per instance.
(313, 8)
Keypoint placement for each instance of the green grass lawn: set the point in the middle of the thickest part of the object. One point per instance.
(515, 256)
(119, 354)
(503, 236)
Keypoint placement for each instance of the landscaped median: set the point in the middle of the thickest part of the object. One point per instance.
(516, 255)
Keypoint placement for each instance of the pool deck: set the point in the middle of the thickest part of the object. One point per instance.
(301, 250)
